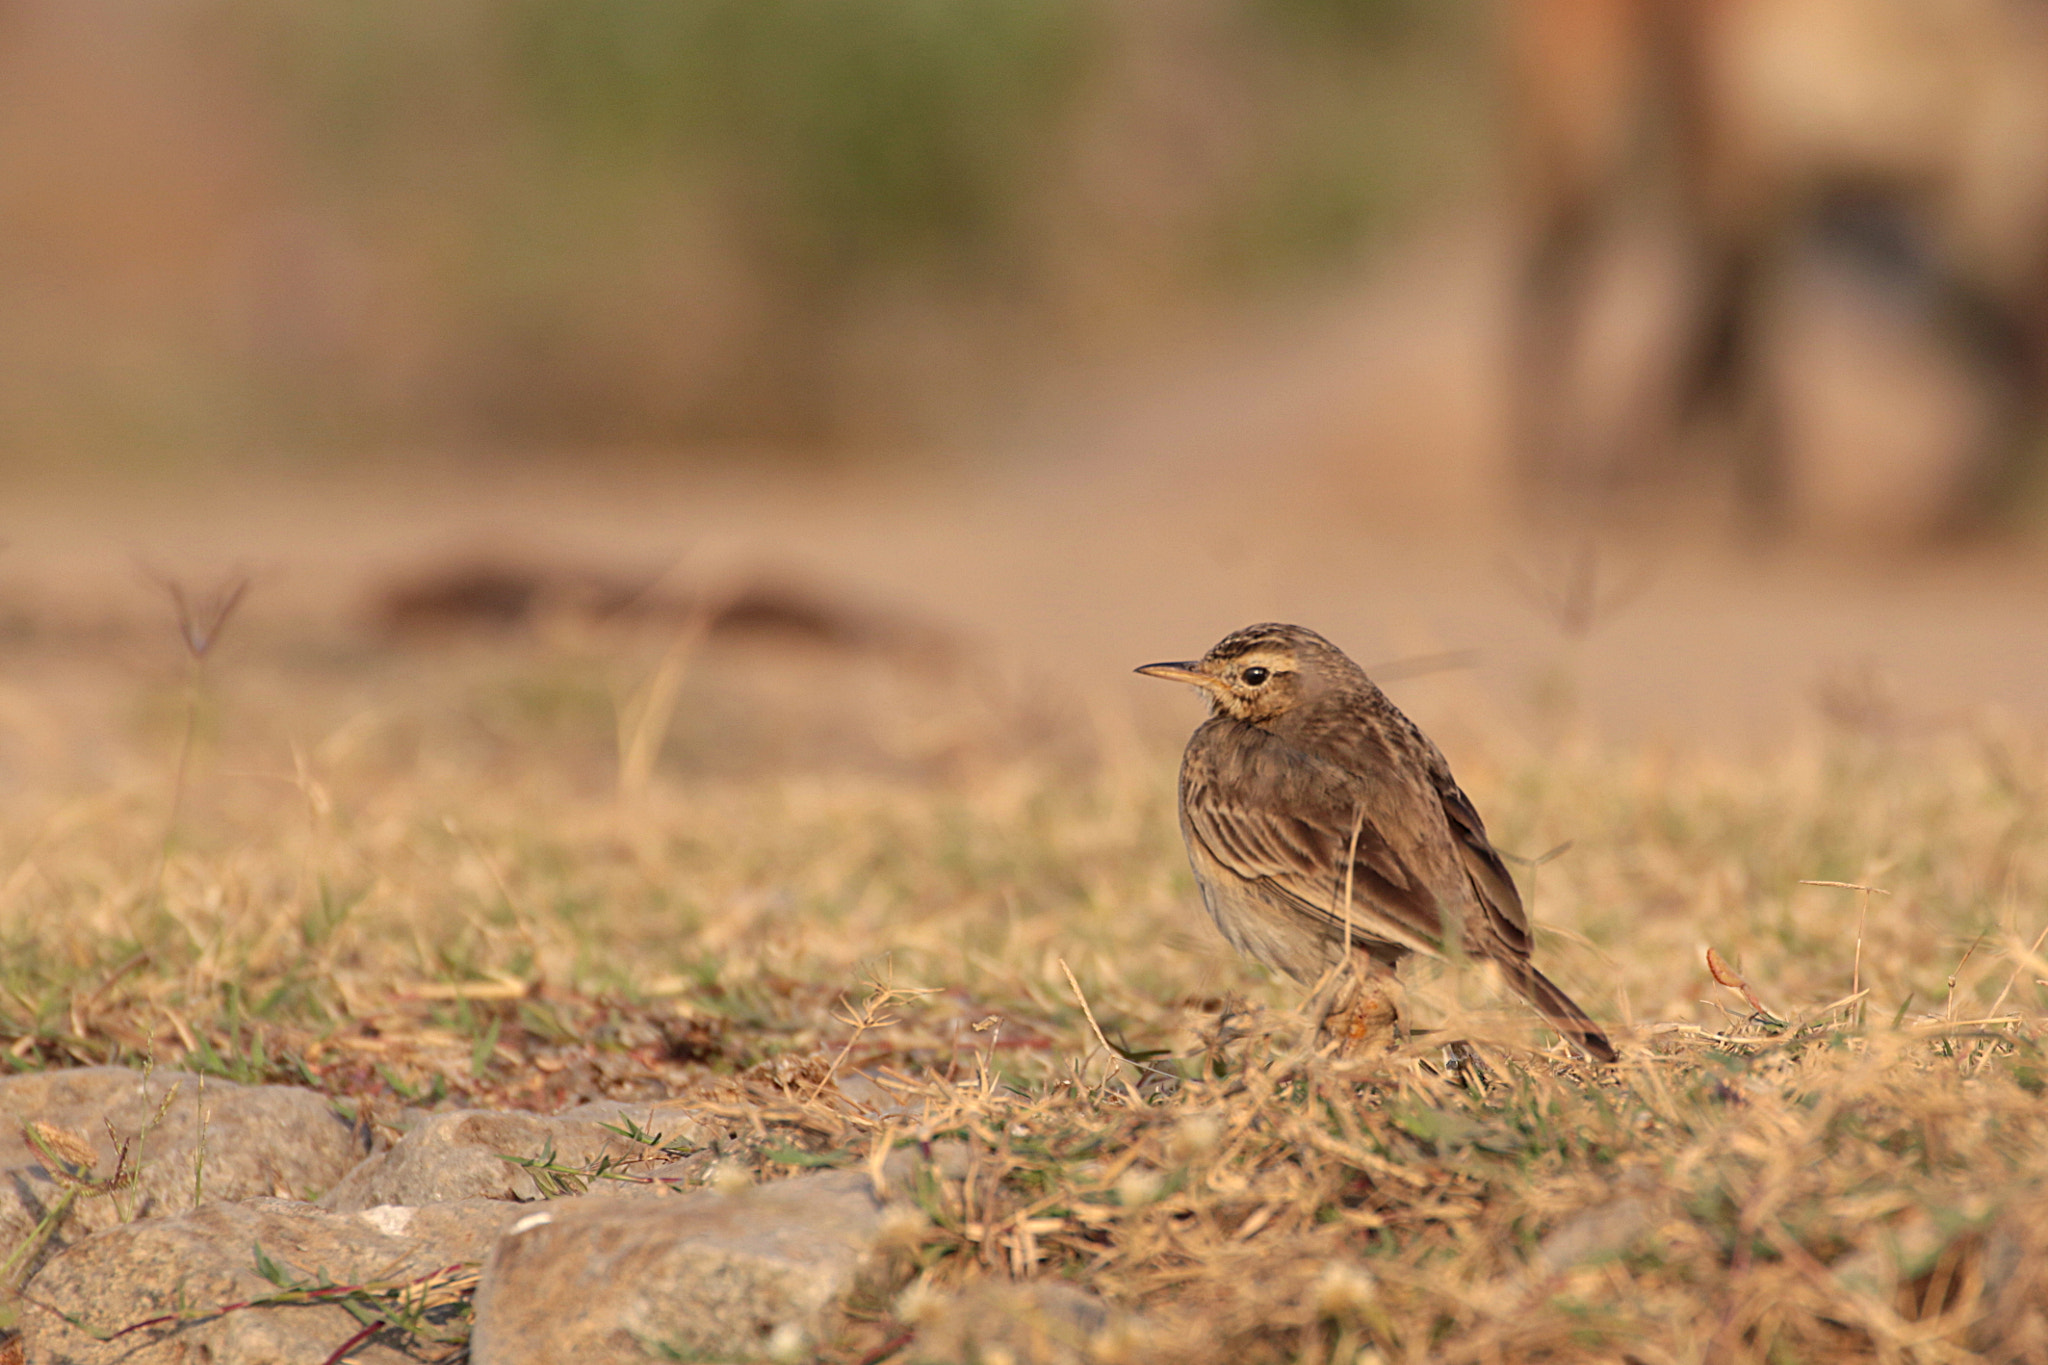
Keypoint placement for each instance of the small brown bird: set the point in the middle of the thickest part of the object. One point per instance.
(1323, 826)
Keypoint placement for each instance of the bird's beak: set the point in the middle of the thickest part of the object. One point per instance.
(1189, 672)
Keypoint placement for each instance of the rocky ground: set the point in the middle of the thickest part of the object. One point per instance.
(167, 1216)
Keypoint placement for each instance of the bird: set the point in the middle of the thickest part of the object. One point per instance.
(1325, 829)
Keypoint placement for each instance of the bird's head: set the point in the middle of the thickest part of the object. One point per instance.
(1261, 672)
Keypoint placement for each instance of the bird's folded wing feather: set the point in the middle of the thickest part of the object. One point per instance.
(1490, 879)
(1290, 827)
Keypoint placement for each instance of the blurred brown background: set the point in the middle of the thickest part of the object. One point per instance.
(1693, 349)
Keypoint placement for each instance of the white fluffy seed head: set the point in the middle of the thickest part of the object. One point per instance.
(1138, 1186)
(1196, 1136)
(903, 1225)
(1344, 1289)
(788, 1344)
(918, 1302)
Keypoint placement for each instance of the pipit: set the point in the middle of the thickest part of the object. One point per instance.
(1326, 830)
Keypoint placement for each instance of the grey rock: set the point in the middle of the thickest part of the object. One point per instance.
(459, 1232)
(1036, 1323)
(910, 1167)
(463, 1155)
(192, 1266)
(1593, 1234)
(213, 1140)
(2012, 1320)
(674, 1123)
(758, 1274)
(864, 1091)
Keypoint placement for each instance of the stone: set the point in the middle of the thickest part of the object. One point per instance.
(1035, 1323)
(759, 1274)
(195, 1266)
(673, 1123)
(189, 1138)
(463, 1154)
(459, 1232)
(2012, 1318)
(865, 1092)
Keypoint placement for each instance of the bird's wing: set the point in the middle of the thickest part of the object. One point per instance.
(1491, 882)
(1286, 821)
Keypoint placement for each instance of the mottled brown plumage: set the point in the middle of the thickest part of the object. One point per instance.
(1321, 824)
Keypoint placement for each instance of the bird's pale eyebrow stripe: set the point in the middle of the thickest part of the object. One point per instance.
(1237, 647)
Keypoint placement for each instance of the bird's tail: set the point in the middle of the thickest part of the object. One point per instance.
(1562, 1011)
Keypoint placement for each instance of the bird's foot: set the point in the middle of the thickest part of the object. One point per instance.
(1368, 1025)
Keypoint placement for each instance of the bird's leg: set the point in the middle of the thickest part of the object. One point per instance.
(1232, 1023)
(1365, 1010)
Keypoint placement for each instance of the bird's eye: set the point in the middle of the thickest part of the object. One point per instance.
(1254, 676)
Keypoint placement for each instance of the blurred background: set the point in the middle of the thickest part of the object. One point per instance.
(718, 225)
(1696, 351)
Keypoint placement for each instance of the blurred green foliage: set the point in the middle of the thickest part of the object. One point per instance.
(788, 221)
(865, 129)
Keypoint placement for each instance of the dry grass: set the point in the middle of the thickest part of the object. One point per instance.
(414, 875)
